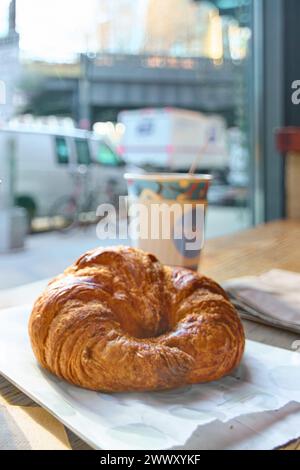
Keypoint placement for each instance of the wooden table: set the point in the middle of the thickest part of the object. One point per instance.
(252, 252)
(275, 245)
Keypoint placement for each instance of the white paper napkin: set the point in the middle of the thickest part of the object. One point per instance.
(256, 386)
(273, 297)
(267, 379)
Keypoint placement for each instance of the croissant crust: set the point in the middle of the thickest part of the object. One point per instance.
(118, 320)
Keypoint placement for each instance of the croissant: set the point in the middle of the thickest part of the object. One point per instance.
(119, 320)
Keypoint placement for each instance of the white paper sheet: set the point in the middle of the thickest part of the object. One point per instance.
(267, 379)
(257, 431)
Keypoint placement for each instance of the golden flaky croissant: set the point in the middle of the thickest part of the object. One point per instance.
(118, 320)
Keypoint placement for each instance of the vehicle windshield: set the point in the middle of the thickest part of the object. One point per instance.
(107, 156)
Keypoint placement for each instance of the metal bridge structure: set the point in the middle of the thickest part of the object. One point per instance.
(98, 84)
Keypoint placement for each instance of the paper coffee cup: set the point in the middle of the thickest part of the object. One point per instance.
(167, 215)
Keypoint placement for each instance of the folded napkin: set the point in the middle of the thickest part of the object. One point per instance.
(25, 428)
(272, 298)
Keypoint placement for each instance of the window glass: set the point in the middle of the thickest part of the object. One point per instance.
(83, 152)
(170, 82)
(62, 151)
(106, 156)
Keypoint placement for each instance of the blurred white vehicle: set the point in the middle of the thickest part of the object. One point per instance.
(174, 139)
(113, 166)
(239, 158)
(45, 162)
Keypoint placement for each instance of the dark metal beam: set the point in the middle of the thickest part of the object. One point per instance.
(273, 99)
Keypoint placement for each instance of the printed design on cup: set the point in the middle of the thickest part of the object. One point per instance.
(166, 215)
(173, 190)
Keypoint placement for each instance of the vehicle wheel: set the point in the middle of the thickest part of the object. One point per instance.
(30, 206)
(64, 214)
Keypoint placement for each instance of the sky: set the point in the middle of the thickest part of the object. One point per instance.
(54, 28)
(3, 16)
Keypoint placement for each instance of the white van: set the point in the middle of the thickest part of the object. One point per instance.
(45, 161)
(173, 139)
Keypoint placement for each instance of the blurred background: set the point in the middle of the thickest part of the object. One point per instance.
(92, 89)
